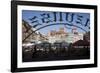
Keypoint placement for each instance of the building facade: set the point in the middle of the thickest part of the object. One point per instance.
(52, 36)
(61, 35)
(29, 35)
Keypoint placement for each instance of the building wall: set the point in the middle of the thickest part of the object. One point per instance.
(61, 35)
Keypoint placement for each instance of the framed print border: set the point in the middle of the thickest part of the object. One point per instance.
(14, 37)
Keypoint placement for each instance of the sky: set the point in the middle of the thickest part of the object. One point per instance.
(29, 14)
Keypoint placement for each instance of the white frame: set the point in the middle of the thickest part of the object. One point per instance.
(54, 63)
